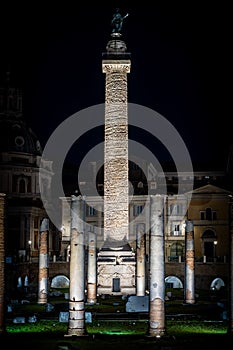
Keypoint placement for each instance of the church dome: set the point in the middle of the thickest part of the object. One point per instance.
(16, 136)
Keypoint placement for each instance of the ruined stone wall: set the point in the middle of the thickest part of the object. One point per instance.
(204, 272)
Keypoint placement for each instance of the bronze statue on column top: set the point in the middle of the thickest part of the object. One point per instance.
(117, 21)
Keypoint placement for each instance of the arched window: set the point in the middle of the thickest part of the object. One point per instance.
(21, 184)
(60, 281)
(216, 284)
(209, 244)
(140, 184)
(208, 234)
(173, 282)
(208, 214)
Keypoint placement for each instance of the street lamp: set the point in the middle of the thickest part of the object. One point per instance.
(215, 244)
(29, 244)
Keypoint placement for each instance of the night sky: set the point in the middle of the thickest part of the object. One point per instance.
(180, 56)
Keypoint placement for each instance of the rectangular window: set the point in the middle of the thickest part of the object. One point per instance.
(91, 211)
(137, 209)
(14, 183)
(176, 230)
(175, 209)
(202, 215)
(36, 240)
(116, 285)
(36, 222)
(29, 184)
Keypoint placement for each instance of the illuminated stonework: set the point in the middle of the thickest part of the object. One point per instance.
(116, 261)
(116, 152)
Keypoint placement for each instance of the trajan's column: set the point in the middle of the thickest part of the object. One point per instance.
(116, 262)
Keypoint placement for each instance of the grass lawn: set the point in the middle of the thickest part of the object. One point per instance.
(187, 327)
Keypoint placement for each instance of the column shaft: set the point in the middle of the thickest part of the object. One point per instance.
(189, 263)
(43, 263)
(91, 268)
(141, 261)
(116, 151)
(157, 269)
(77, 277)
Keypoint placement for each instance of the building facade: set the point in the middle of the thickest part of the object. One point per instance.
(20, 160)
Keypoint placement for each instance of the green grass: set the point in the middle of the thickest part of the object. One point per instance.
(138, 327)
(187, 326)
(113, 335)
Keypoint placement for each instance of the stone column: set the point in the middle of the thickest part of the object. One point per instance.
(2, 264)
(189, 290)
(116, 217)
(99, 230)
(43, 263)
(141, 261)
(91, 269)
(157, 269)
(76, 322)
(116, 261)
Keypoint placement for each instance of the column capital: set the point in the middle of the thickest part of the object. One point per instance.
(121, 66)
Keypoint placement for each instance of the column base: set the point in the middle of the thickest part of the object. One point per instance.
(76, 333)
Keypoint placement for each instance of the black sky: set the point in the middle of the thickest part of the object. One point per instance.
(180, 65)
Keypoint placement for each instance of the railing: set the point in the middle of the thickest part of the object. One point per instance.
(200, 259)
